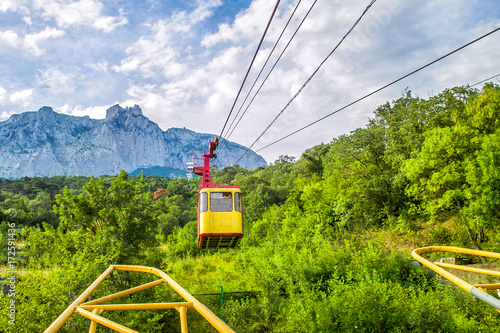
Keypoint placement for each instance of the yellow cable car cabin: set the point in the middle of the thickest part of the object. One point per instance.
(220, 217)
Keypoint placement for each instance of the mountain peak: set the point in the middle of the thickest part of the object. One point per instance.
(46, 113)
(117, 110)
(46, 110)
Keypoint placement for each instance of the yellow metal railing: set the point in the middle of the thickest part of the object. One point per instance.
(93, 309)
(480, 290)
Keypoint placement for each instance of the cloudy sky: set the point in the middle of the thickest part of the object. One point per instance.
(183, 62)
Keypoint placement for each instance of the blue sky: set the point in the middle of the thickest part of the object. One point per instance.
(182, 62)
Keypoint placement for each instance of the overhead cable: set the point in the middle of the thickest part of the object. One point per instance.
(250, 67)
(272, 68)
(475, 84)
(381, 88)
(310, 78)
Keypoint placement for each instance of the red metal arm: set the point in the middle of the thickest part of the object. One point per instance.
(201, 165)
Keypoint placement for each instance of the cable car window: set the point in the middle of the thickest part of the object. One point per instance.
(221, 201)
(237, 202)
(203, 202)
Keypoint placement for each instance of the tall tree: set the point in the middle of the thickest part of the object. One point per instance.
(124, 209)
(449, 173)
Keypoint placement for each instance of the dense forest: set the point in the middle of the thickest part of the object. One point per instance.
(328, 237)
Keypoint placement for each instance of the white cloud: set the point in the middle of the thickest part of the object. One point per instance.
(10, 37)
(22, 97)
(3, 93)
(158, 54)
(95, 112)
(31, 41)
(248, 24)
(203, 11)
(79, 13)
(148, 97)
(100, 66)
(150, 53)
(57, 81)
(7, 5)
(153, 4)
(13, 5)
(108, 23)
(28, 20)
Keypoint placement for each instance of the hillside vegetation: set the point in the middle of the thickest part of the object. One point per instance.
(327, 237)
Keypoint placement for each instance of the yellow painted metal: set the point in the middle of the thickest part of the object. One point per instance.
(183, 315)
(93, 324)
(56, 325)
(104, 321)
(457, 250)
(492, 286)
(215, 321)
(221, 222)
(82, 308)
(125, 292)
(145, 306)
(478, 291)
(459, 282)
(469, 269)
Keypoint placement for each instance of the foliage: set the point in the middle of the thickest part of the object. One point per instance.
(61, 267)
(124, 210)
(455, 171)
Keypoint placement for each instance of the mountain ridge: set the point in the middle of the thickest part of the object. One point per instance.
(46, 143)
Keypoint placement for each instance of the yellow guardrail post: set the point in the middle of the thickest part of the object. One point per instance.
(183, 315)
(475, 291)
(93, 324)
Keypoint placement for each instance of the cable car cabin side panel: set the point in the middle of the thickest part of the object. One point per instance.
(220, 218)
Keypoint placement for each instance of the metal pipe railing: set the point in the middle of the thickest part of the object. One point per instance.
(96, 306)
(474, 290)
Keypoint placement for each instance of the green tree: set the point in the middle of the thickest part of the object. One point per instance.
(453, 175)
(359, 180)
(124, 209)
(438, 174)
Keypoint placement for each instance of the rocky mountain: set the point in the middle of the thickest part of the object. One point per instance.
(46, 143)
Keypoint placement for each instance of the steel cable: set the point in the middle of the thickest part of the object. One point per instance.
(309, 79)
(250, 67)
(381, 88)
